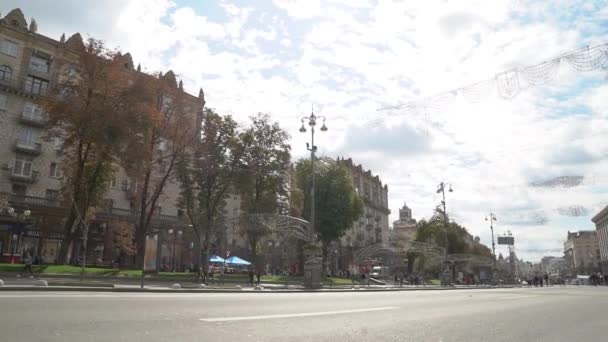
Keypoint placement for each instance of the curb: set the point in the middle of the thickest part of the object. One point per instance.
(187, 290)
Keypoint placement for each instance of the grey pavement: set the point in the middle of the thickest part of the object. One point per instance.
(523, 314)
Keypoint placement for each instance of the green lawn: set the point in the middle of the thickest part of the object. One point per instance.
(109, 272)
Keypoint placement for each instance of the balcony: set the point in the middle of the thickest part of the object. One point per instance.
(32, 120)
(32, 148)
(21, 178)
(33, 201)
(10, 84)
(39, 72)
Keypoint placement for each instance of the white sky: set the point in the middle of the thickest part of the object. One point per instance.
(351, 57)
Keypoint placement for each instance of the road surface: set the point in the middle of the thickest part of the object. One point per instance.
(537, 314)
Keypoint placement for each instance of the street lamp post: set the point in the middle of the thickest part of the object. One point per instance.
(492, 219)
(174, 234)
(441, 189)
(312, 122)
(21, 221)
(309, 279)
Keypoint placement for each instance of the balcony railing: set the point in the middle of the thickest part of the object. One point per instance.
(33, 120)
(32, 200)
(17, 177)
(33, 148)
(107, 212)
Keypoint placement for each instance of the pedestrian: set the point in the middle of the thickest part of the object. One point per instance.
(257, 278)
(547, 279)
(251, 276)
(28, 264)
(396, 278)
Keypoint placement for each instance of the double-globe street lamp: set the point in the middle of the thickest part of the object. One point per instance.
(492, 219)
(312, 270)
(16, 234)
(312, 122)
(441, 189)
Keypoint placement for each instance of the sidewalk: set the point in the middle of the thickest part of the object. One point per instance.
(58, 283)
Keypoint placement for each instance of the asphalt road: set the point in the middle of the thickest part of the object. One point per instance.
(537, 314)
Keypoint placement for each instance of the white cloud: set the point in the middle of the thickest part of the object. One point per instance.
(352, 57)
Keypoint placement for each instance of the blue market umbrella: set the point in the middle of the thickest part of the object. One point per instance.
(234, 260)
(215, 258)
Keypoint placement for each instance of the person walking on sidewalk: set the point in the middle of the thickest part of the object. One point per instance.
(546, 279)
(28, 264)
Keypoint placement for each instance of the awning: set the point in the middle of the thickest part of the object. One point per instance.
(215, 258)
(234, 260)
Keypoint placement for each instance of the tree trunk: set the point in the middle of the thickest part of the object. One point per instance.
(324, 246)
(205, 257)
(64, 248)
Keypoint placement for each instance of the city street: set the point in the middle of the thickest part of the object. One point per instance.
(528, 314)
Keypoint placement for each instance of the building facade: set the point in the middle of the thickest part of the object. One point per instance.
(404, 229)
(581, 251)
(601, 228)
(373, 226)
(31, 167)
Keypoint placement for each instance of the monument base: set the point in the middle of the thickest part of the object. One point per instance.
(312, 274)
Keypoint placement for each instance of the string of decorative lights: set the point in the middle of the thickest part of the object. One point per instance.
(510, 83)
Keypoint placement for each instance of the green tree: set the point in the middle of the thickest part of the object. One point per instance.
(264, 178)
(337, 204)
(206, 177)
(92, 110)
(151, 158)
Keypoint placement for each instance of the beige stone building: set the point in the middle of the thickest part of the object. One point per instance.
(404, 229)
(581, 250)
(601, 228)
(373, 227)
(30, 165)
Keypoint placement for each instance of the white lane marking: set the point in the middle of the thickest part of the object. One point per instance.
(304, 314)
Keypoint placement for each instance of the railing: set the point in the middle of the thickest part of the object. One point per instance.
(35, 120)
(17, 177)
(112, 212)
(19, 86)
(34, 148)
(32, 200)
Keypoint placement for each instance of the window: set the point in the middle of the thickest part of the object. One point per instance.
(162, 145)
(180, 213)
(6, 73)
(52, 194)
(23, 166)
(113, 183)
(35, 85)
(31, 111)
(39, 64)
(3, 102)
(10, 48)
(57, 143)
(55, 171)
(166, 103)
(28, 136)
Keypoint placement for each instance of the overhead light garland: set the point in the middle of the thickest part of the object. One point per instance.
(510, 83)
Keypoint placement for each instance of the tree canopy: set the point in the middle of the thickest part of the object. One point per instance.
(337, 204)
